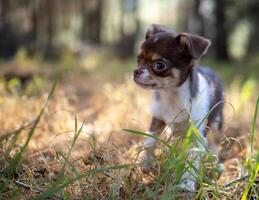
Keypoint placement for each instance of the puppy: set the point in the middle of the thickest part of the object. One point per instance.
(182, 92)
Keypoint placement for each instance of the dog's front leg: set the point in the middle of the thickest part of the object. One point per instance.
(156, 128)
(194, 156)
(188, 182)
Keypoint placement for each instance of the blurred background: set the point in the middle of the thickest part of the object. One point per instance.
(93, 45)
(51, 28)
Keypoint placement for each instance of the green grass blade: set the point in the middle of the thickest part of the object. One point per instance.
(187, 139)
(251, 181)
(139, 133)
(253, 126)
(255, 167)
(195, 133)
(76, 135)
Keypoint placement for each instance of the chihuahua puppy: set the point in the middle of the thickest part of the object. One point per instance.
(182, 92)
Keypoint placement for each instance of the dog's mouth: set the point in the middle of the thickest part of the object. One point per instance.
(145, 85)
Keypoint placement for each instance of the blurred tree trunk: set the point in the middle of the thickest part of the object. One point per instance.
(9, 36)
(5, 8)
(34, 21)
(195, 20)
(50, 5)
(129, 28)
(221, 40)
(41, 31)
(253, 16)
(33, 9)
(92, 20)
(199, 18)
(253, 43)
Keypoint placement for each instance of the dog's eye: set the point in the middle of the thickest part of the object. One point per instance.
(159, 66)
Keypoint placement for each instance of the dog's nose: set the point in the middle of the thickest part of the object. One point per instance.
(138, 71)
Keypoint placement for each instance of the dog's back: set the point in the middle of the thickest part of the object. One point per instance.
(215, 117)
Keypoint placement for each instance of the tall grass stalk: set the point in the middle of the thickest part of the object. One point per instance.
(139, 133)
(254, 167)
(252, 131)
(76, 135)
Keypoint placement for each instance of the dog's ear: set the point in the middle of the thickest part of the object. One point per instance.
(194, 45)
(156, 28)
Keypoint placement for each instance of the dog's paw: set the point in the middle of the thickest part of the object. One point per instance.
(188, 185)
(146, 159)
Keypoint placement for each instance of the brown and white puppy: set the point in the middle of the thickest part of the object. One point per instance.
(182, 92)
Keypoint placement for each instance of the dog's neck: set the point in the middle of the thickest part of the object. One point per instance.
(188, 88)
(175, 103)
(171, 104)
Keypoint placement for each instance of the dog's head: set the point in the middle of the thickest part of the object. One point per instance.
(166, 58)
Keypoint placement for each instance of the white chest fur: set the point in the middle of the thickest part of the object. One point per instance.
(177, 106)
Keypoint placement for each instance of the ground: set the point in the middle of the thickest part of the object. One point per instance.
(79, 150)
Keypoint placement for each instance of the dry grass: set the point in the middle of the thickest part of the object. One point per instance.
(102, 108)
